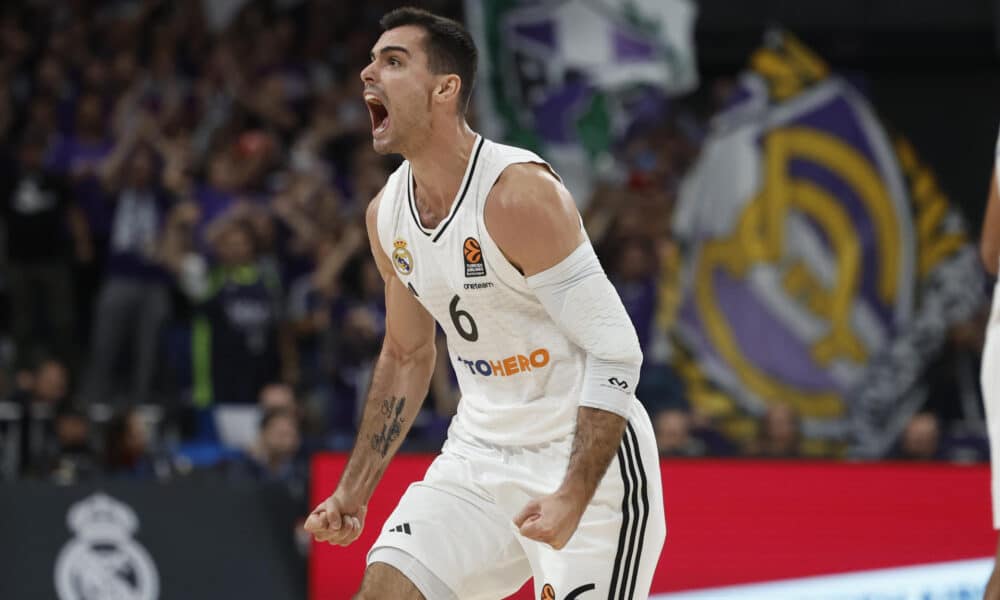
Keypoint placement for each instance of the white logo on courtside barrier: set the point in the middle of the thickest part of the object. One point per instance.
(103, 562)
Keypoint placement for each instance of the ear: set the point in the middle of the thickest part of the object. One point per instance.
(448, 88)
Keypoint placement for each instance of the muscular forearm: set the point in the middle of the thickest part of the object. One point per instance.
(595, 443)
(399, 385)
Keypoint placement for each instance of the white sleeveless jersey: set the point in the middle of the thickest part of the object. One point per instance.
(519, 375)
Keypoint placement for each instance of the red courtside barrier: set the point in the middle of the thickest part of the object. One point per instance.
(738, 522)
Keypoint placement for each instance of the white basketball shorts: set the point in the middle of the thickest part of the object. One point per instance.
(453, 534)
(989, 377)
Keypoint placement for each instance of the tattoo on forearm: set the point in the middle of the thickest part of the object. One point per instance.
(392, 412)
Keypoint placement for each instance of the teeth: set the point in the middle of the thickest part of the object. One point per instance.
(372, 99)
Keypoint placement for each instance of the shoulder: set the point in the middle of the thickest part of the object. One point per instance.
(532, 217)
(378, 251)
(530, 191)
(371, 213)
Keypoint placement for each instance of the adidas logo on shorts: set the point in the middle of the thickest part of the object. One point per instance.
(404, 528)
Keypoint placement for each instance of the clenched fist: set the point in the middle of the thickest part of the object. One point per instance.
(551, 519)
(337, 520)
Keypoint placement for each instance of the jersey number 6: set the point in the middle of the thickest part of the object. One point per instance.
(472, 333)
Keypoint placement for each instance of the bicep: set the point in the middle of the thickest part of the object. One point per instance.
(409, 328)
(533, 218)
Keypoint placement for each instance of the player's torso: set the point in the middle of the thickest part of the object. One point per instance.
(519, 374)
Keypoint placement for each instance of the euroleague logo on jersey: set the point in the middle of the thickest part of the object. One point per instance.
(402, 260)
(473, 254)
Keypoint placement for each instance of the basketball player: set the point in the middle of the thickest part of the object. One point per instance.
(550, 467)
(990, 370)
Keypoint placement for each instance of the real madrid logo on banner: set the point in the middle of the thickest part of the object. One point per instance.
(104, 562)
(821, 270)
(402, 260)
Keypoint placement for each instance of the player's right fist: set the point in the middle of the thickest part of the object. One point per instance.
(337, 520)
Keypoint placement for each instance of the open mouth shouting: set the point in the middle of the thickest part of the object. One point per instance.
(378, 112)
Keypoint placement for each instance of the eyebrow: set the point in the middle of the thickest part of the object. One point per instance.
(386, 49)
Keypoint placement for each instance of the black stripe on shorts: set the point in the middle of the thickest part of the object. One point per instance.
(644, 497)
(633, 528)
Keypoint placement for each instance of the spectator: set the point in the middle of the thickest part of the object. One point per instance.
(71, 459)
(127, 451)
(52, 80)
(227, 176)
(315, 300)
(277, 396)
(634, 276)
(238, 425)
(42, 119)
(167, 138)
(240, 342)
(673, 434)
(635, 270)
(921, 439)
(79, 156)
(39, 392)
(356, 337)
(44, 229)
(779, 434)
(134, 300)
(679, 433)
(274, 457)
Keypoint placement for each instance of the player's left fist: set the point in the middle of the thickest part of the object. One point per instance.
(551, 519)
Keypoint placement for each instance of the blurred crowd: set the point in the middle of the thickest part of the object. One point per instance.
(183, 187)
(187, 280)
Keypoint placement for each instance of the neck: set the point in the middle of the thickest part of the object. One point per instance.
(439, 165)
(275, 464)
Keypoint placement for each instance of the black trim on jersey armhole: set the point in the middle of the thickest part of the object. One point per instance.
(410, 203)
(468, 182)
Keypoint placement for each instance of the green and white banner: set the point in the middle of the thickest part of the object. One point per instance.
(559, 76)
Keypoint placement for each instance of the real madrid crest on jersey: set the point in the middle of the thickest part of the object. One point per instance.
(104, 561)
(402, 260)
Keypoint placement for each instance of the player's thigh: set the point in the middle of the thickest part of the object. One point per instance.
(463, 542)
(990, 380)
(385, 581)
(615, 549)
(989, 376)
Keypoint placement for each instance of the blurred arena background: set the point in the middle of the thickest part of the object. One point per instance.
(787, 195)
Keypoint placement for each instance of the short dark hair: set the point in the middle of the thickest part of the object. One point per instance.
(450, 48)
